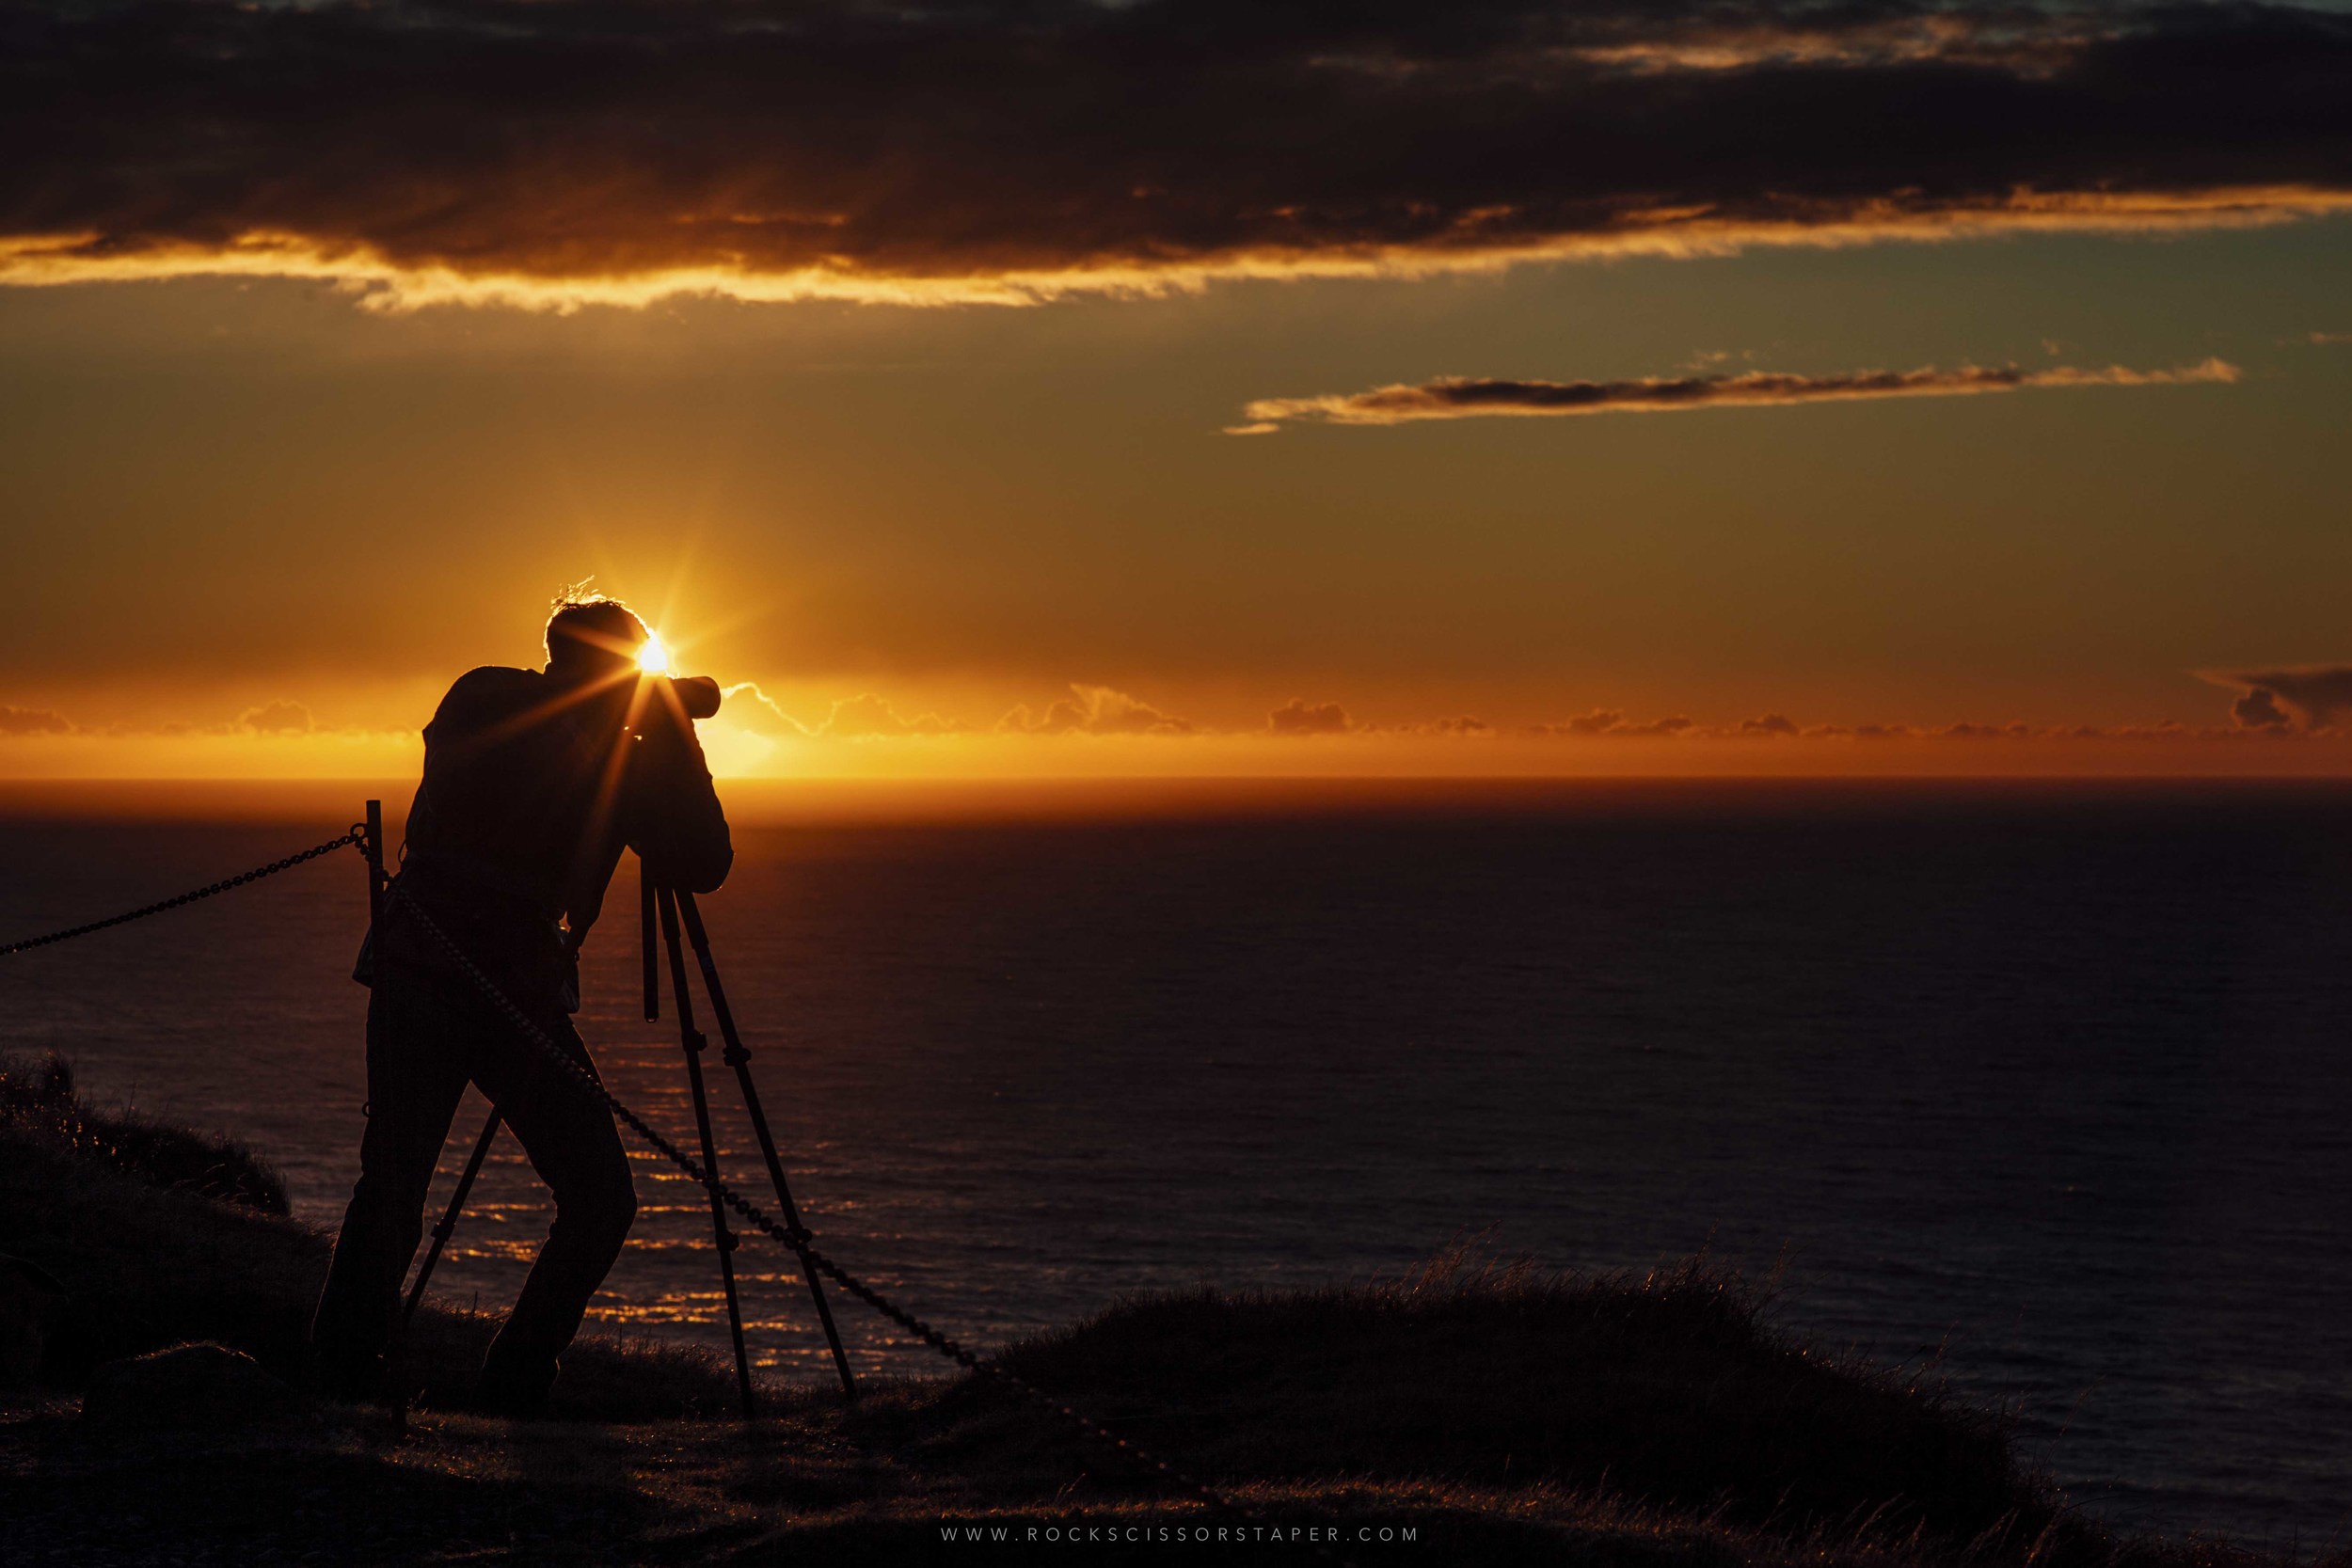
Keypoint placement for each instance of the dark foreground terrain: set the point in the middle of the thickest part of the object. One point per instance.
(1466, 1414)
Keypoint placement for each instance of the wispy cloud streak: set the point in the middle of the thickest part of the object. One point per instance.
(1471, 398)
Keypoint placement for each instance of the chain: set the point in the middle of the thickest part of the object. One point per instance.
(798, 1238)
(358, 834)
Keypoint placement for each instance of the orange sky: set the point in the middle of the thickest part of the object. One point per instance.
(1389, 443)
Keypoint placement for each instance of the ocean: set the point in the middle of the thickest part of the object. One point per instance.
(2043, 1086)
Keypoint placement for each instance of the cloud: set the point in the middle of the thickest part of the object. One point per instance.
(2325, 338)
(863, 717)
(762, 713)
(561, 151)
(32, 721)
(1096, 710)
(1467, 397)
(280, 718)
(1609, 721)
(2259, 710)
(2310, 695)
(866, 716)
(1600, 721)
(1300, 717)
(1610, 724)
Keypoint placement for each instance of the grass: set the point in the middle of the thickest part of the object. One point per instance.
(39, 1097)
(152, 1261)
(1501, 1414)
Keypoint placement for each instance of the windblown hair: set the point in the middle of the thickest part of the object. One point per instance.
(589, 628)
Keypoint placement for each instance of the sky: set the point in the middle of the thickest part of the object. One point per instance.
(1038, 389)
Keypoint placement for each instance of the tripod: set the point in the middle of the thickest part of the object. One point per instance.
(673, 910)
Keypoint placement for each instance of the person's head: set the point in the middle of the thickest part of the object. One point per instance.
(591, 638)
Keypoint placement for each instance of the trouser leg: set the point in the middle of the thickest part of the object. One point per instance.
(416, 1074)
(568, 1134)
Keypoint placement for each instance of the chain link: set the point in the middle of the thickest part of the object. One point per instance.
(798, 1238)
(358, 834)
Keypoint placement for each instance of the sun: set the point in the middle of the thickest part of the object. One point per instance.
(653, 656)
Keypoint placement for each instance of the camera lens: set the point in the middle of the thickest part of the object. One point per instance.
(697, 694)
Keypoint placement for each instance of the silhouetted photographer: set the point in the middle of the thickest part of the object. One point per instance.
(534, 782)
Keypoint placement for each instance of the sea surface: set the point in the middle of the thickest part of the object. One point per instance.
(2048, 1086)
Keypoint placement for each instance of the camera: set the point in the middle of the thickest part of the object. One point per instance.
(697, 694)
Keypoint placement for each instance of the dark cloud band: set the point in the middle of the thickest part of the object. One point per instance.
(568, 150)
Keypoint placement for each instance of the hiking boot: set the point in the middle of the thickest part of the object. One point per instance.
(518, 1395)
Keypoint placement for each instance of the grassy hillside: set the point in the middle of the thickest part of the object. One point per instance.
(115, 1207)
(1501, 1416)
(1667, 1390)
(38, 1098)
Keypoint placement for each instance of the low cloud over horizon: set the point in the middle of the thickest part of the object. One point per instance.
(2286, 703)
(32, 721)
(2314, 696)
(1472, 397)
(561, 151)
(1095, 710)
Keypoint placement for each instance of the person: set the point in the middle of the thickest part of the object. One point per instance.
(533, 783)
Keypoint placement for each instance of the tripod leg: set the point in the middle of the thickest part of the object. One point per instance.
(691, 1040)
(644, 930)
(737, 1057)
(449, 1219)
